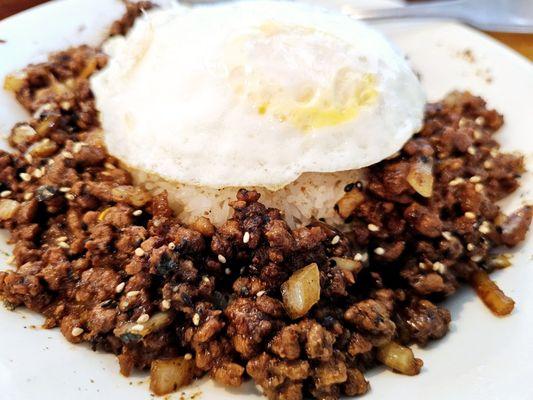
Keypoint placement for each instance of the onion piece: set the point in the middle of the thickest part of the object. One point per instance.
(491, 294)
(349, 202)
(420, 176)
(499, 261)
(21, 134)
(43, 148)
(348, 264)
(8, 208)
(167, 376)
(14, 82)
(132, 195)
(301, 291)
(399, 358)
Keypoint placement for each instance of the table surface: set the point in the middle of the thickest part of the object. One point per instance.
(521, 43)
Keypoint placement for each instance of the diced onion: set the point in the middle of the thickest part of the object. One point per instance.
(420, 177)
(8, 208)
(43, 148)
(499, 261)
(13, 82)
(22, 134)
(167, 376)
(491, 294)
(348, 264)
(301, 291)
(135, 196)
(349, 202)
(399, 358)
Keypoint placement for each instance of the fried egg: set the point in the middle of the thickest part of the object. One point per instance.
(254, 93)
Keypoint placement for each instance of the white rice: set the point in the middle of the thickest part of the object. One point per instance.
(311, 196)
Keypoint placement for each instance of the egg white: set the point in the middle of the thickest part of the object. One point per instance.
(254, 94)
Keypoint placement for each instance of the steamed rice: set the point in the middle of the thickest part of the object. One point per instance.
(311, 196)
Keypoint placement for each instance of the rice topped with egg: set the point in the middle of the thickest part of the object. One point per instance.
(281, 98)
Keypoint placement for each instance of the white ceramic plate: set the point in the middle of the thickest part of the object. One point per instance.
(483, 357)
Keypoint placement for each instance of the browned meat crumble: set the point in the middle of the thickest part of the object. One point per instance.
(110, 265)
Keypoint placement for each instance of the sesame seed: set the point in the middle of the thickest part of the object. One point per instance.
(137, 213)
(485, 227)
(494, 152)
(6, 193)
(175, 289)
(64, 189)
(50, 161)
(358, 257)
(447, 235)
(336, 239)
(38, 173)
(227, 271)
(260, 293)
(479, 187)
(205, 279)
(120, 287)
(63, 245)
(475, 179)
(25, 176)
(143, 318)
(471, 150)
(196, 319)
(222, 259)
(470, 247)
(456, 181)
(67, 154)
(477, 134)
(165, 305)
(69, 196)
(422, 265)
(137, 327)
(379, 251)
(479, 120)
(61, 239)
(139, 252)
(76, 331)
(439, 267)
(109, 166)
(373, 228)
(65, 105)
(171, 246)
(470, 215)
(28, 195)
(246, 237)
(462, 122)
(488, 164)
(133, 293)
(188, 356)
(476, 258)
(28, 157)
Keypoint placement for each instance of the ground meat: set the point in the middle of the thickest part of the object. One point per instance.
(424, 321)
(515, 227)
(371, 317)
(97, 255)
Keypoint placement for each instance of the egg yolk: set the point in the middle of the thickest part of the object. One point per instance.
(299, 75)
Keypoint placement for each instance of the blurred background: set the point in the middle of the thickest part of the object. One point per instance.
(520, 42)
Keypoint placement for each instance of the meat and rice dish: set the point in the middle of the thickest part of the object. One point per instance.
(303, 311)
